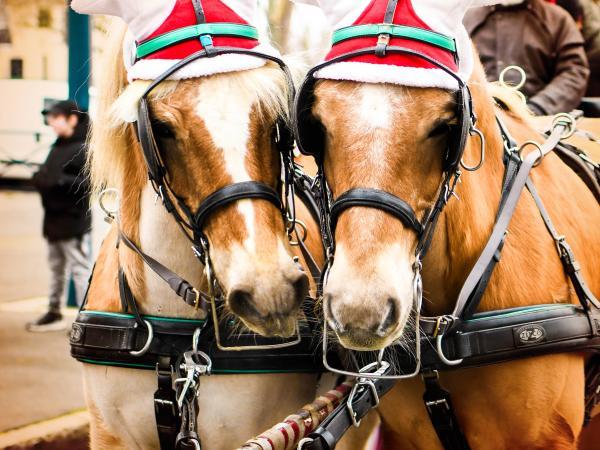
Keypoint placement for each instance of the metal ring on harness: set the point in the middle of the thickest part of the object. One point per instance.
(507, 69)
(110, 213)
(304, 232)
(537, 147)
(146, 346)
(439, 335)
(567, 120)
(475, 130)
(303, 442)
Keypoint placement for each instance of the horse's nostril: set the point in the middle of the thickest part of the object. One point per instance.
(241, 303)
(392, 317)
(300, 287)
(331, 319)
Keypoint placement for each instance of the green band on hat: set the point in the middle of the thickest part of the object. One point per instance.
(399, 31)
(192, 32)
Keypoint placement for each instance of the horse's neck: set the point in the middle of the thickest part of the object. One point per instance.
(161, 238)
(466, 226)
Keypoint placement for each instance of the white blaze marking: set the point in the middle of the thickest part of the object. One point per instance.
(227, 119)
(374, 107)
(374, 113)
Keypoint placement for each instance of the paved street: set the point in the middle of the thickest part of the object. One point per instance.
(38, 378)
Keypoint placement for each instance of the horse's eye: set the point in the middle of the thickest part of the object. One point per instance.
(162, 130)
(440, 129)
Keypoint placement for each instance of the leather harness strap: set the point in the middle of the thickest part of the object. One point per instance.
(441, 413)
(166, 411)
(332, 429)
(191, 295)
(374, 198)
(233, 193)
(503, 220)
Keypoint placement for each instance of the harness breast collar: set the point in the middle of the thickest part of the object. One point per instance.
(182, 350)
(464, 338)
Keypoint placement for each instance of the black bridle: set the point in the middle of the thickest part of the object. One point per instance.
(375, 198)
(194, 221)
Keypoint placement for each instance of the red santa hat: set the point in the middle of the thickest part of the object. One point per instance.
(430, 27)
(162, 32)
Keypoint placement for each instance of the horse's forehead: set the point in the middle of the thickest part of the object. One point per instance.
(368, 105)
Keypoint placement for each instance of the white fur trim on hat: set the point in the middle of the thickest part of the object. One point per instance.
(150, 69)
(442, 16)
(384, 73)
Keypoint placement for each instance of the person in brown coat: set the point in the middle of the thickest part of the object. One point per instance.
(540, 37)
(591, 34)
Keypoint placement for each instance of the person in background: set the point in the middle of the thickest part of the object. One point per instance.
(540, 37)
(62, 185)
(591, 35)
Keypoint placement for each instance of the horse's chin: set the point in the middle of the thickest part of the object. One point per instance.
(365, 342)
(283, 328)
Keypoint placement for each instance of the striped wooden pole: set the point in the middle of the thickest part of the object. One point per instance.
(287, 434)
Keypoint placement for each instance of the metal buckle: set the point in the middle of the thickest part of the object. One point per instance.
(382, 367)
(146, 346)
(430, 404)
(566, 120)
(162, 402)
(383, 39)
(110, 213)
(197, 299)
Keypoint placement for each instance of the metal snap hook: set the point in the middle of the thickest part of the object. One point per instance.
(146, 346)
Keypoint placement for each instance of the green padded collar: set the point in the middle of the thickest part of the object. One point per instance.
(150, 318)
(194, 31)
(401, 31)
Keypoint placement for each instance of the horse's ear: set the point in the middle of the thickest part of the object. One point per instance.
(142, 16)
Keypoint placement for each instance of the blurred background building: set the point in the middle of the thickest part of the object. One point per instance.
(34, 65)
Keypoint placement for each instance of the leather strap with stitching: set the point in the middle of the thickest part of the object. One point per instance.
(233, 193)
(192, 296)
(375, 198)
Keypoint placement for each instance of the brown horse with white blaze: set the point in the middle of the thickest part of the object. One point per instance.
(213, 131)
(533, 403)
(393, 136)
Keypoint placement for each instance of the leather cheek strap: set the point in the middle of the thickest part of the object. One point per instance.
(374, 198)
(146, 138)
(233, 193)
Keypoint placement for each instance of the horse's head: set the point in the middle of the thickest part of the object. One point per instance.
(393, 139)
(212, 132)
(391, 129)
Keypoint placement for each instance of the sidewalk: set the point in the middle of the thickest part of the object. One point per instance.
(41, 392)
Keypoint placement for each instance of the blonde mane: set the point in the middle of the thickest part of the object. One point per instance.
(113, 138)
(511, 102)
